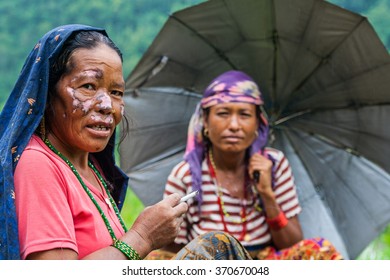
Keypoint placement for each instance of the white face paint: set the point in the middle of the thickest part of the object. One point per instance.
(80, 101)
(85, 102)
(102, 118)
(104, 101)
(89, 97)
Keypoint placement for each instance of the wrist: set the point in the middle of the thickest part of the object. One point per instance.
(126, 249)
(278, 222)
(267, 196)
(137, 242)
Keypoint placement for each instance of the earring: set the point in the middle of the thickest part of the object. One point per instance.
(42, 128)
(256, 133)
(206, 132)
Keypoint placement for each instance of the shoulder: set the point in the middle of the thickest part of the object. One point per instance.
(178, 179)
(38, 158)
(276, 154)
(281, 163)
(40, 174)
(180, 170)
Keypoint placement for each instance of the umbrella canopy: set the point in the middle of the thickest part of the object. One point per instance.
(325, 78)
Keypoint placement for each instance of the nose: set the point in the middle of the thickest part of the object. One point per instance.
(104, 102)
(234, 123)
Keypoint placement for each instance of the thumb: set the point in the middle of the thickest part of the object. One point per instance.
(172, 199)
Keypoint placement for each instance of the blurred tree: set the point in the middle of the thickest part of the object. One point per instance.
(359, 6)
(131, 24)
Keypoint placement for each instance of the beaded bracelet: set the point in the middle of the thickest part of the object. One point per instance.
(126, 249)
(279, 222)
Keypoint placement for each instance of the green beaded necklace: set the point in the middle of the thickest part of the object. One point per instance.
(89, 193)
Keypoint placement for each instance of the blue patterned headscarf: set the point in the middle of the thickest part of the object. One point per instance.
(21, 116)
(229, 87)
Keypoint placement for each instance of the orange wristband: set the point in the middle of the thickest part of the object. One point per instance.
(279, 222)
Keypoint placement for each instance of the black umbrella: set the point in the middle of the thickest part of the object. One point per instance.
(325, 77)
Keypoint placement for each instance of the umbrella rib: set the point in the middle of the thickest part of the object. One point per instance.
(217, 51)
(292, 116)
(350, 79)
(327, 140)
(321, 110)
(275, 39)
(158, 125)
(322, 61)
(339, 145)
(333, 170)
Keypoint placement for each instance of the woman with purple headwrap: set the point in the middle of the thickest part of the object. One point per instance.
(244, 188)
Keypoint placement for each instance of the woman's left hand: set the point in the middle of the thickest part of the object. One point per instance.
(262, 164)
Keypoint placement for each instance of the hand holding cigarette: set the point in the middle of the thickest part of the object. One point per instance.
(188, 196)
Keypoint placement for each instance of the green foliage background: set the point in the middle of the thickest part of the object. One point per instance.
(132, 24)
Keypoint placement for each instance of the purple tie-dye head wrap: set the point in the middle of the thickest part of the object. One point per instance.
(231, 86)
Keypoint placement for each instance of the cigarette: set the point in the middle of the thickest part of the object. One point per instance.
(188, 196)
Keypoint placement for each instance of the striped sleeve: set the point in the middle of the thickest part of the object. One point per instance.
(175, 183)
(178, 183)
(285, 189)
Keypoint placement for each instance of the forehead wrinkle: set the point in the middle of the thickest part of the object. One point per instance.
(94, 73)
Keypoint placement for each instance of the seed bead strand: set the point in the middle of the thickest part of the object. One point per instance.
(220, 193)
(75, 172)
(126, 249)
(116, 210)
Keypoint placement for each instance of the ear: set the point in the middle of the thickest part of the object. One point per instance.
(205, 121)
(205, 124)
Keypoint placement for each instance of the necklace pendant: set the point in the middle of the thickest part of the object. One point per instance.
(108, 201)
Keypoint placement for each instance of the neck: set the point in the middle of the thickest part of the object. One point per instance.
(77, 158)
(228, 161)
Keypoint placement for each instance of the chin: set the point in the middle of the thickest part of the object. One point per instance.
(234, 149)
(98, 146)
(98, 149)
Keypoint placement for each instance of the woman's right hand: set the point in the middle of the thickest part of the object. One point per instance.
(156, 226)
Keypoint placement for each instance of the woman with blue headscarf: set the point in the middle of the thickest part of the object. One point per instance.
(245, 188)
(60, 188)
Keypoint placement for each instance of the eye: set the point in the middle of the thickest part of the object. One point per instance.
(222, 113)
(246, 114)
(88, 86)
(117, 93)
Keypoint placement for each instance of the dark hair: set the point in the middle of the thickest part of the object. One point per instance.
(60, 66)
(80, 40)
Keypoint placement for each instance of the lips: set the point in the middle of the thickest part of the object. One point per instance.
(100, 129)
(232, 138)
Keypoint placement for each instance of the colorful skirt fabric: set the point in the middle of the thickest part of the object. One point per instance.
(308, 249)
(209, 246)
(222, 246)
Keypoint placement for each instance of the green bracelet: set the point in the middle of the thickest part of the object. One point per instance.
(126, 249)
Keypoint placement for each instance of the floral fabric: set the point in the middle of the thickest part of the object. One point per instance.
(222, 246)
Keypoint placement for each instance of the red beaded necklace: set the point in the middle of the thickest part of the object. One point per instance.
(222, 210)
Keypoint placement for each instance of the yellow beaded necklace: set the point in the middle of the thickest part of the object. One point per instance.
(244, 215)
